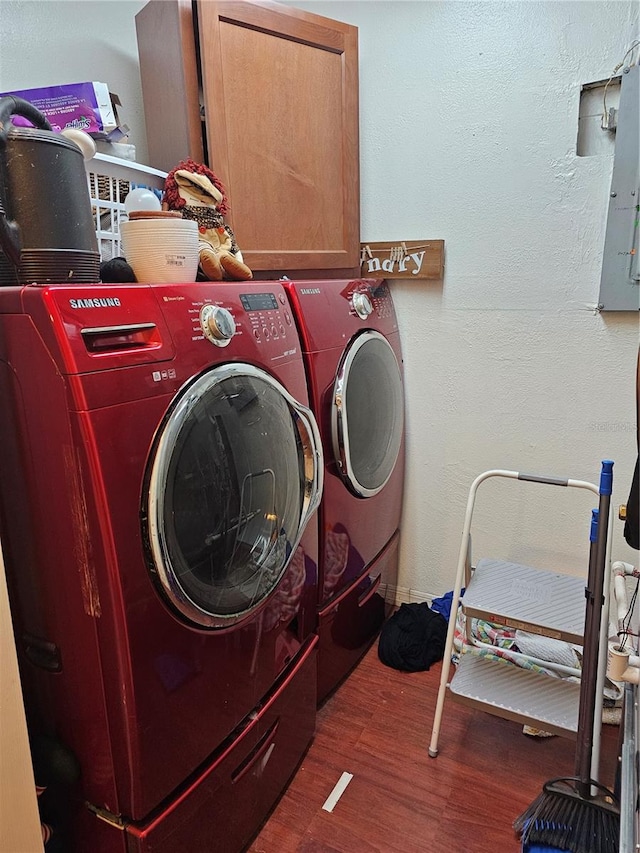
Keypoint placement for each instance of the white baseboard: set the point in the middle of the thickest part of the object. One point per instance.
(398, 595)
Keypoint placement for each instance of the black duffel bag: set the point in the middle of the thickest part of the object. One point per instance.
(413, 638)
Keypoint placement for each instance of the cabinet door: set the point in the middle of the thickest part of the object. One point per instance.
(169, 77)
(279, 97)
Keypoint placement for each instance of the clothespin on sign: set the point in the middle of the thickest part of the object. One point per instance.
(364, 253)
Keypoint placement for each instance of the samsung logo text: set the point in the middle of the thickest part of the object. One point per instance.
(100, 302)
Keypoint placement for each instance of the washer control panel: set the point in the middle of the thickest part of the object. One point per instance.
(218, 325)
(269, 317)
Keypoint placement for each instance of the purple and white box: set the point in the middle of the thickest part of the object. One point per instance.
(86, 106)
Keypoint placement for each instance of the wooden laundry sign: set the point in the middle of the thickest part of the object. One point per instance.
(403, 259)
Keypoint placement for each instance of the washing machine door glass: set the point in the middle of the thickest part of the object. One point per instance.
(234, 476)
(367, 414)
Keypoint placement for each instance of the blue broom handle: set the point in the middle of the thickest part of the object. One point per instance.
(594, 593)
(606, 477)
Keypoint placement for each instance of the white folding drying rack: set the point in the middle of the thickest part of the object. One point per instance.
(551, 604)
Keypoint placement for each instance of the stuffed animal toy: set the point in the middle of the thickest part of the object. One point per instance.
(198, 194)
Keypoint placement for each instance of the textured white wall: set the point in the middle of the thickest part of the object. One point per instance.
(48, 42)
(469, 115)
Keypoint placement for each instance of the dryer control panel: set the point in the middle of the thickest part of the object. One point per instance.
(361, 304)
(381, 300)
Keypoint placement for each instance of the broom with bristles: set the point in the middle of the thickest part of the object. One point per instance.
(567, 815)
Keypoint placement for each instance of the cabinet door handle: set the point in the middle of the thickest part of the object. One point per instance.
(265, 744)
(370, 592)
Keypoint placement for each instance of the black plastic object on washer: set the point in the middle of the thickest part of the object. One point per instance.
(47, 232)
(413, 638)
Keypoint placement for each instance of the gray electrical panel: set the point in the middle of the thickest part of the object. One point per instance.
(620, 281)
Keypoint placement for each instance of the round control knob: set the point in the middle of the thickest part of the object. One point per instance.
(362, 305)
(217, 324)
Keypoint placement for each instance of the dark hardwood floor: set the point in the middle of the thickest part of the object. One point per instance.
(377, 726)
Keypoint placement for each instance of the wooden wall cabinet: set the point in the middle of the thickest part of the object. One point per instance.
(267, 96)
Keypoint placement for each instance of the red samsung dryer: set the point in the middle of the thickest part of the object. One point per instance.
(160, 467)
(351, 347)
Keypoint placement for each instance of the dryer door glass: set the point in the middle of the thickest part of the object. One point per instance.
(368, 414)
(231, 485)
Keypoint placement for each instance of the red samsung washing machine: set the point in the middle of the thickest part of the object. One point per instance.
(159, 470)
(351, 345)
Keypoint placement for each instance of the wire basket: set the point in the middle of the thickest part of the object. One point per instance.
(110, 180)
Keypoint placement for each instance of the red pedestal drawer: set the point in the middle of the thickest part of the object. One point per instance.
(349, 624)
(223, 808)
